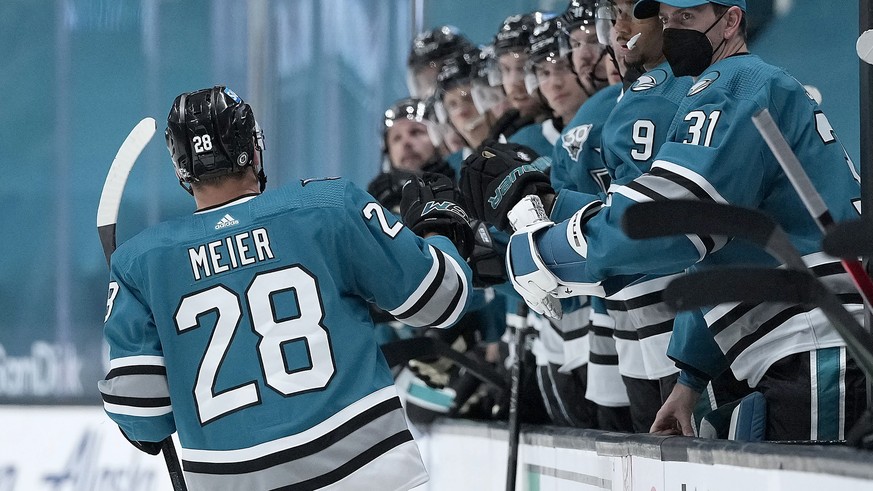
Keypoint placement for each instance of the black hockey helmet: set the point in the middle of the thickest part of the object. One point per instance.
(514, 33)
(210, 133)
(591, 16)
(413, 109)
(548, 43)
(429, 50)
(460, 69)
(436, 44)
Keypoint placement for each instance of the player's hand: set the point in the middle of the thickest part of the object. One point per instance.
(526, 269)
(487, 263)
(497, 175)
(430, 205)
(674, 417)
(151, 448)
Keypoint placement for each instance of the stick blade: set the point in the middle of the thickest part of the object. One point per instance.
(727, 285)
(116, 178)
(849, 240)
(681, 217)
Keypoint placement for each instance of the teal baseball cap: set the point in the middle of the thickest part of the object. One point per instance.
(644, 9)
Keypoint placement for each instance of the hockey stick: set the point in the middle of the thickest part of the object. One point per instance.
(849, 239)
(810, 197)
(755, 285)
(522, 331)
(107, 217)
(402, 351)
(647, 220)
(682, 217)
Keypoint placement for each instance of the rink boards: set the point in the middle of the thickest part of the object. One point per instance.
(77, 447)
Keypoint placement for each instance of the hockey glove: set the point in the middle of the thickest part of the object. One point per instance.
(430, 204)
(497, 176)
(529, 275)
(151, 448)
(388, 186)
(487, 263)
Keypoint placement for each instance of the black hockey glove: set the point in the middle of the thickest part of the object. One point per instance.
(497, 176)
(487, 263)
(387, 187)
(430, 204)
(151, 448)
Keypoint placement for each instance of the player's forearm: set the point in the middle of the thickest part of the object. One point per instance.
(591, 251)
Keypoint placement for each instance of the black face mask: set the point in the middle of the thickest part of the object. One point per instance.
(689, 52)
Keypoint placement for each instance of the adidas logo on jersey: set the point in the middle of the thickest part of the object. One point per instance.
(226, 221)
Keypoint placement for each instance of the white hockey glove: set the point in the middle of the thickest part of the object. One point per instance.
(524, 266)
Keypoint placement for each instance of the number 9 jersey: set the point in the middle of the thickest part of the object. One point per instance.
(246, 328)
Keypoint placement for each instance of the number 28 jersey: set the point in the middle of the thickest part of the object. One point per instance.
(246, 328)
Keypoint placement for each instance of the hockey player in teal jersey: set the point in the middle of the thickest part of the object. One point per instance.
(527, 123)
(577, 167)
(455, 106)
(713, 152)
(576, 162)
(245, 328)
(628, 142)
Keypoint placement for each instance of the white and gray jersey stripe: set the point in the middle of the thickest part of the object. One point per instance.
(440, 298)
(754, 336)
(651, 319)
(372, 429)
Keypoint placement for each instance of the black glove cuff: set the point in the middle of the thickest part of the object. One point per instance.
(151, 448)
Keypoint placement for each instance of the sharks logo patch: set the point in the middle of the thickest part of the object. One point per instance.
(649, 80)
(304, 182)
(704, 82)
(573, 140)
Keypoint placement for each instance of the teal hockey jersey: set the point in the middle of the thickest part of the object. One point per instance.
(245, 328)
(576, 161)
(632, 136)
(714, 152)
(538, 136)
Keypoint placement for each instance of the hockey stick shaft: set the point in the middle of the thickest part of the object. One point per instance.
(808, 194)
(682, 217)
(107, 218)
(516, 375)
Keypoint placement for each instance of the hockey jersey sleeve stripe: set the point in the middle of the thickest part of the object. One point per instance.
(437, 301)
(425, 290)
(456, 306)
(141, 402)
(136, 370)
(670, 181)
(694, 182)
(137, 411)
(136, 390)
(140, 360)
